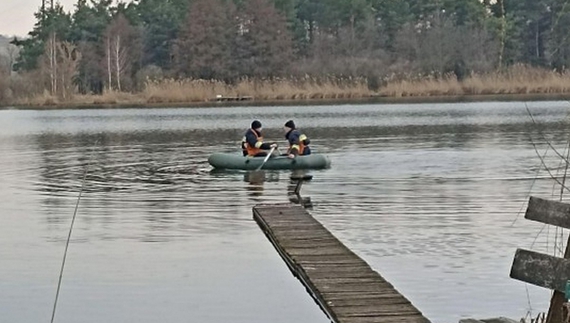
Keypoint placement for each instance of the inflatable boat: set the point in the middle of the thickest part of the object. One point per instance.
(236, 161)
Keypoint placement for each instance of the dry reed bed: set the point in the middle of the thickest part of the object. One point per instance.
(516, 80)
(107, 98)
(203, 90)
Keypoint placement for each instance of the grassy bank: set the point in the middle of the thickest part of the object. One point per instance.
(170, 91)
(516, 82)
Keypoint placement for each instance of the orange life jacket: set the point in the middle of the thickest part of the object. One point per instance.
(252, 151)
(300, 147)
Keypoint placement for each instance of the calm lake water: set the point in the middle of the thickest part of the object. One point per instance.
(430, 195)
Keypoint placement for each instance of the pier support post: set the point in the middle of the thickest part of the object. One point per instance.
(295, 196)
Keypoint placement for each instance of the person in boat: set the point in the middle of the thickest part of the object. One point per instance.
(298, 142)
(252, 144)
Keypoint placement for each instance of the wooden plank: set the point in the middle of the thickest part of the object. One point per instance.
(294, 225)
(557, 214)
(345, 296)
(344, 285)
(308, 245)
(337, 271)
(540, 269)
(371, 310)
(344, 259)
(549, 212)
(360, 288)
(336, 263)
(387, 299)
(308, 239)
(387, 319)
(291, 217)
(345, 280)
(302, 234)
(319, 274)
(315, 251)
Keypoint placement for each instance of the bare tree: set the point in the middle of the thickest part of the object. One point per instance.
(263, 45)
(60, 64)
(119, 58)
(68, 59)
(203, 49)
(12, 52)
(3, 78)
(4, 65)
(442, 47)
(119, 40)
(51, 57)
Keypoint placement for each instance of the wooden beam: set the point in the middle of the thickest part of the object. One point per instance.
(541, 270)
(549, 212)
(558, 214)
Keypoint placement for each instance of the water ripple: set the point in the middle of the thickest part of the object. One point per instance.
(429, 195)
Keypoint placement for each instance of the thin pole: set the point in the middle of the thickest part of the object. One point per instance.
(69, 236)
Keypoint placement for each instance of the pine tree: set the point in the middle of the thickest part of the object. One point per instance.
(51, 22)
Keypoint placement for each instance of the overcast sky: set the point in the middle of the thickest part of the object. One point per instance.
(17, 16)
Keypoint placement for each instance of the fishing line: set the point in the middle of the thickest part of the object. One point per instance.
(70, 231)
(559, 244)
(562, 188)
(543, 136)
(546, 167)
(530, 188)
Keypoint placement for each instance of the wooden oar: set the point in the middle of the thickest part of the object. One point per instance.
(266, 158)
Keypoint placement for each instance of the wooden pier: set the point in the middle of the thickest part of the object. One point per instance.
(220, 98)
(344, 285)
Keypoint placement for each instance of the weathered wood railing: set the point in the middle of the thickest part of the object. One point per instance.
(541, 269)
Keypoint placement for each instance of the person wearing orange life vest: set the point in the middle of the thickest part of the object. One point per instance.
(298, 142)
(252, 144)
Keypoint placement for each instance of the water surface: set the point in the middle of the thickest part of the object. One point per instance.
(430, 195)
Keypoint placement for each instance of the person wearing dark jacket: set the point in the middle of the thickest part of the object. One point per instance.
(252, 143)
(298, 142)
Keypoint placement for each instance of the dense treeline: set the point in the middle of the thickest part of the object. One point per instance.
(101, 46)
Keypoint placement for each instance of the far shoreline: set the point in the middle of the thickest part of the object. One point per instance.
(419, 99)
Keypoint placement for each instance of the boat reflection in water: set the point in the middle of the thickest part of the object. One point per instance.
(256, 179)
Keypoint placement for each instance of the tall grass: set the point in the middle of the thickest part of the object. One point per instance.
(106, 98)
(170, 90)
(274, 89)
(518, 80)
